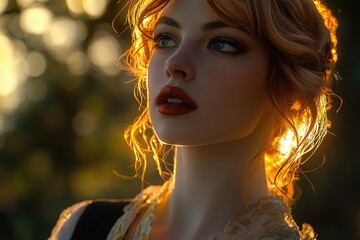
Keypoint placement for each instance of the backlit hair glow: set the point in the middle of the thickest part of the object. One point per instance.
(300, 38)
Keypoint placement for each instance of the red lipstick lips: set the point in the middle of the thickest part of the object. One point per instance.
(174, 101)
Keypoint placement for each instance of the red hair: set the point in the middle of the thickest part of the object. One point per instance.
(300, 38)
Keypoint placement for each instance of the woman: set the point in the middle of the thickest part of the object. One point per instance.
(239, 91)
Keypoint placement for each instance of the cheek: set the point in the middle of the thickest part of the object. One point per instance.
(239, 96)
(154, 80)
(242, 86)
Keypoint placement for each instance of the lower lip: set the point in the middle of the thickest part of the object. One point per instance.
(174, 109)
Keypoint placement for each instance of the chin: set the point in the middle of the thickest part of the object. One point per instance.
(188, 139)
(176, 139)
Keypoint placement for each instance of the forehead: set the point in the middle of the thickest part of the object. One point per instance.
(189, 9)
(234, 13)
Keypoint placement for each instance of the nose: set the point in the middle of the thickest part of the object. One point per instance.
(179, 66)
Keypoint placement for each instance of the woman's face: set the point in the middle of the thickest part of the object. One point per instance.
(206, 80)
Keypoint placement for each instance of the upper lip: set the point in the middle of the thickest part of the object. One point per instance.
(175, 92)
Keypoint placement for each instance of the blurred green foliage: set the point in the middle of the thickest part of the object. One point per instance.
(64, 106)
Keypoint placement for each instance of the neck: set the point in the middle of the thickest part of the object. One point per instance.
(210, 184)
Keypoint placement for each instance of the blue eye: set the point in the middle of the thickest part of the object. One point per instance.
(225, 45)
(163, 40)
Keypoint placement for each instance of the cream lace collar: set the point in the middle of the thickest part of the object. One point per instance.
(268, 219)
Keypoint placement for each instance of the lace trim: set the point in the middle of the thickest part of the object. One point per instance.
(142, 200)
(267, 219)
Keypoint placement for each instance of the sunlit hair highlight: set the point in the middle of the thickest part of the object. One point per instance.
(142, 17)
(300, 38)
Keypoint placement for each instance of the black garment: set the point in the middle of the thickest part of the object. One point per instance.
(97, 220)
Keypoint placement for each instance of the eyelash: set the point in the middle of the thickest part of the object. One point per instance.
(239, 48)
(162, 36)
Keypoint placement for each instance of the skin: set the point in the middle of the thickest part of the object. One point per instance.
(224, 71)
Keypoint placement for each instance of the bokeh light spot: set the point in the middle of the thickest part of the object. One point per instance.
(8, 82)
(25, 3)
(6, 50)
(63, 37)
(8, 77)
(35, 20)
(13, 101)
(103, 51)
(95, 8)
(75, 6)
(78, 63)
(35, 64)
(3, 5)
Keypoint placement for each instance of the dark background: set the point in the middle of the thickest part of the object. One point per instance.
(64, 106)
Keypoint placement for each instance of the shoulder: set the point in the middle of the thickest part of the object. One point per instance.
(88, 218)
(282, 232)
(273, 218)
(67, 221)
(286, 232)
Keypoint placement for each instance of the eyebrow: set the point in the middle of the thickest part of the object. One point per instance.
(206, 27)
(214, 25)
(168, 21)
